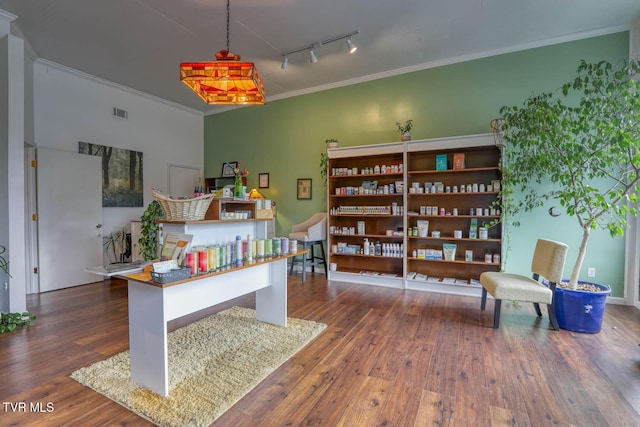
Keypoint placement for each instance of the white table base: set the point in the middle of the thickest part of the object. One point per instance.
(151, 306)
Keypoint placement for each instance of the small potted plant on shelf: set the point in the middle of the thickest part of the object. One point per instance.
(580, 148)
(240, 181)
(324, 157)
(11, 321)
(405, 130)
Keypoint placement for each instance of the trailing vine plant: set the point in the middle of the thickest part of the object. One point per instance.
(9, 322)
(149, 231)
(4, 264)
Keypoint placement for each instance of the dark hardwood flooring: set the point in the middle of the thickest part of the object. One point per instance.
(388, 357)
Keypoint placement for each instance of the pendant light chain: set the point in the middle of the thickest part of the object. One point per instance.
(228, 50)
(226, 80)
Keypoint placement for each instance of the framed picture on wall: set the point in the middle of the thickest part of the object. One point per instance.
(121, 174)
(304, 188)
(263, 180)
(227, 169)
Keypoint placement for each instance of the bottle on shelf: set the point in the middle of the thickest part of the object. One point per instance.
(238, 250)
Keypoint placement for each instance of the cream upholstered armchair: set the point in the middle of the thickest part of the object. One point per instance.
(548, 262)
(309, 234)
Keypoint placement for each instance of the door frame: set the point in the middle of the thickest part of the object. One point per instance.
(32, 284)
(171, 166)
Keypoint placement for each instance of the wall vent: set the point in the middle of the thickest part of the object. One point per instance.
(120, 113)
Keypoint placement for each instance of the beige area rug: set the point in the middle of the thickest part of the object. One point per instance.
(213, 363)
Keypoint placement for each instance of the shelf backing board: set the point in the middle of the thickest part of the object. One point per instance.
(482, 158)
(217, 206)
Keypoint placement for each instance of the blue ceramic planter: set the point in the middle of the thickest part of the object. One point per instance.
(581, 311)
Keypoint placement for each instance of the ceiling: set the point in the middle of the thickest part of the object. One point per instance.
(140, 43)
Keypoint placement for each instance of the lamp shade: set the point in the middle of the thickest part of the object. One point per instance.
(224, 81)
(255, 194)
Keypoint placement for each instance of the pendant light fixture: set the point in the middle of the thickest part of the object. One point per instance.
(226, 80)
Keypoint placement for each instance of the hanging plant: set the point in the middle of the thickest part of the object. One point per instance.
(324, 158)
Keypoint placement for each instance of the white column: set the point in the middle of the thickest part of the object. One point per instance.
(12, 224)
(634, 39)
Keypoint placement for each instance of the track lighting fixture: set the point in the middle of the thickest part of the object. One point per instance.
(311, 48)
(352, 47)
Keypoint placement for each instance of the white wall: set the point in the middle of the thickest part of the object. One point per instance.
(70, 107)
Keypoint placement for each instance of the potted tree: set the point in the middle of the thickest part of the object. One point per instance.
(581, 148)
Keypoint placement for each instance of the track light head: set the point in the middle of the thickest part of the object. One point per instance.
(285, 62)
(312, 56)
(352, 47)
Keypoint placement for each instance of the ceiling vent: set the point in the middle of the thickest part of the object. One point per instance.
(120, 113)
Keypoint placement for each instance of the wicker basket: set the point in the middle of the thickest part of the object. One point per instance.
(183, 209)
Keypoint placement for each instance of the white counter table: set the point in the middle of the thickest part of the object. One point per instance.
(152, 305)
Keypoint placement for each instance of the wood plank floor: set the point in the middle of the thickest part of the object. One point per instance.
(388, 357)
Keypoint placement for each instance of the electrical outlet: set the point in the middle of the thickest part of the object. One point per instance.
(591, 272)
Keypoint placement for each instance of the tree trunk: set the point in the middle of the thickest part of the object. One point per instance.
(132, 170)
(106, 157)
(573, 283)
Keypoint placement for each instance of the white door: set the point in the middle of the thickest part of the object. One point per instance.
(182, 180)
(69, 218)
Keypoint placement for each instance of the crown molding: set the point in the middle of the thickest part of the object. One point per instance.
(6, 16)
(92, 78)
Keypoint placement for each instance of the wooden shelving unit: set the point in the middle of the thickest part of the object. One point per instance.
(364, 202)
(465, 197)
(451, 211)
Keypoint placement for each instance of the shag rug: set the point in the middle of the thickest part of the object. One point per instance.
(213, 363)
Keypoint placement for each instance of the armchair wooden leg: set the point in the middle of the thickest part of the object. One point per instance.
(483, 301)
(552, 317)
(496, 313)
(537, 307)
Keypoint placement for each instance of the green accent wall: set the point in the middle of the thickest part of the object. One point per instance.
(285, 137)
